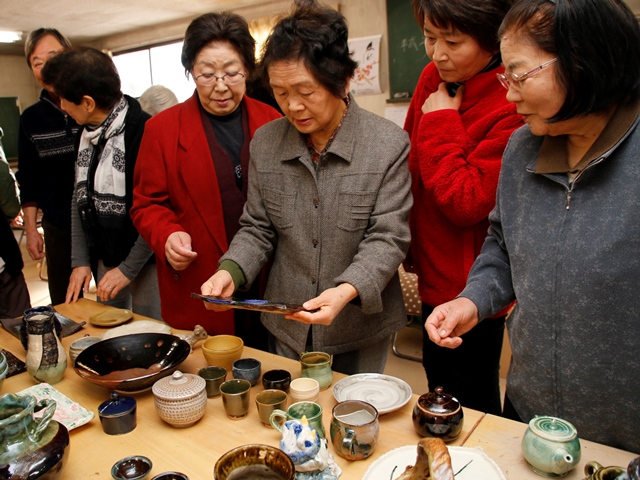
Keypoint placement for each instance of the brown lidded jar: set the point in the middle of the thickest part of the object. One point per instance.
(180, 399)
(438, 414)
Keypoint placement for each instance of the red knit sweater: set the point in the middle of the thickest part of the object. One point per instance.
(455, 163)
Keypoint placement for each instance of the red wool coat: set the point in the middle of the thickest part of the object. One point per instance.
(176, 189)
(455, 162)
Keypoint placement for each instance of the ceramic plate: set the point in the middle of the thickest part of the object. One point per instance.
(68, 412)
(467, 463)
(384, 392)
(111, 318)
(256, 305)
(139, 326)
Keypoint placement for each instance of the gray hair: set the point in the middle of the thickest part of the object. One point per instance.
(156, 98)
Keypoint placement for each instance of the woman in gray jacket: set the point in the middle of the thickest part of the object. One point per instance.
(564, 238)
(328, 203)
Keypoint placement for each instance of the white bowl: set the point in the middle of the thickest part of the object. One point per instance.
(304, 388)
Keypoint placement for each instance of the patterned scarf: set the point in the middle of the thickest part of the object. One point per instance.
(101, 151)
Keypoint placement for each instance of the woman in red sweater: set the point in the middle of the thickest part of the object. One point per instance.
(459, 122)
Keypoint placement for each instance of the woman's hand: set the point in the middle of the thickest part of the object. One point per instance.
(450, 320)
(328, 305)
(80, 279)
(111, 283)
(440, 100)
(219, 285)
(178, 250)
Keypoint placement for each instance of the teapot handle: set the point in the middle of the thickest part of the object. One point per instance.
(40, 424)
(591, 468)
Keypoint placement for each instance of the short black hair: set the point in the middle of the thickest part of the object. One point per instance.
(79, 71)
(219, 27)
(318, 36)
(36, 35)
(597, 43)
(480, 19)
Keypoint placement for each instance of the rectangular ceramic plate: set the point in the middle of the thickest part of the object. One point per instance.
(256, 305)
(68, 412)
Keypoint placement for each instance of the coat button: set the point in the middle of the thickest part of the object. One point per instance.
(176, 276)
(315, 242)
(314, 279)
(316, 202)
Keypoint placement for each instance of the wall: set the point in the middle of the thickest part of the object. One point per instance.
(16, 80)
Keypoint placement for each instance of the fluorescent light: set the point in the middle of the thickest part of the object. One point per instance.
(10, 37)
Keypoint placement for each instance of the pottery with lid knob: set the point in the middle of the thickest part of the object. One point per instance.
(551, 446)
(180, 399)
(438, 414)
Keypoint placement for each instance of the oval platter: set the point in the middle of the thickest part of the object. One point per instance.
(384, 392)
(111, 317)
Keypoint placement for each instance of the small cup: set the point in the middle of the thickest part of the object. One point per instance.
(247, 369)
(311, 410)
(136, 467)
(235, 397)
(317, 365)
(214, 377)
(269, 400)
(276, 379)
(170, 476)
(354, 429)
(304, 389)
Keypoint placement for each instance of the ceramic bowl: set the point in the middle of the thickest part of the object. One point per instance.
(181, 399)
(170, 476)
(276, 380)
(80, 344)
(136, 467)
(304, 389)
(254, 461)
(247, 369)
(222, 350)
(131, 363)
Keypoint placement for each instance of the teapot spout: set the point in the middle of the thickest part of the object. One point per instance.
(563, 461)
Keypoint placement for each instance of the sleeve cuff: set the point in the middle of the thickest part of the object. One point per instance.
(237, 275)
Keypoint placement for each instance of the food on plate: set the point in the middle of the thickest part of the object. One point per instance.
(433, 462)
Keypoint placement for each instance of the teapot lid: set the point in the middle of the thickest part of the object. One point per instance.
(438, 402)
(116, 406)
(553, 428)
(178, 386)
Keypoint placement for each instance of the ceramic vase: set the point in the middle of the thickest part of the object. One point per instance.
(31, 448)
(46, 358)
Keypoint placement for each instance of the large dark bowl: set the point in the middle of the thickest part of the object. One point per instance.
(131, 363)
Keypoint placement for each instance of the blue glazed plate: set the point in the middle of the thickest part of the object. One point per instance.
(256, 305)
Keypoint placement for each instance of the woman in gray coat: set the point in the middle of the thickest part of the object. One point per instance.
(328, 203)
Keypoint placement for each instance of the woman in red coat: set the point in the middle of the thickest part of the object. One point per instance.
(190, 178)
(459, 121)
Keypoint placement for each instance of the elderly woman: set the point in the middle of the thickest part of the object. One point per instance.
(328, 204)
(157, 98)
(459, 122)
(193, 170)
(564, 236)
(104, 239)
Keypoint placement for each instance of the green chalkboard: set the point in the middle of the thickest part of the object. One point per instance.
(407, 57)
(10, 122)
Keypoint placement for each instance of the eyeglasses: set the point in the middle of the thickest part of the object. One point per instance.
(509, 79)
(209, 79)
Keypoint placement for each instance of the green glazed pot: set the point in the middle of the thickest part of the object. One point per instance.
(551, 446)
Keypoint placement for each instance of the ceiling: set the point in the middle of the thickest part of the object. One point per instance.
(85, 21)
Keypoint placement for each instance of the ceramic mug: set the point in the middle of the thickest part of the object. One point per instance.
(317, 365)
(214, 377)
(311, 410)
(235, 397)
(595, 471)
(268, 401)
(354, 429)
(248, 369)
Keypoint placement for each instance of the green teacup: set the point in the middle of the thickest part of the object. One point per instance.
(311, 410)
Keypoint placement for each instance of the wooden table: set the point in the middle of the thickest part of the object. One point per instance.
(500, 439)
(193, 450)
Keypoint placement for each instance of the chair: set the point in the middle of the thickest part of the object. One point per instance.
(413, 305)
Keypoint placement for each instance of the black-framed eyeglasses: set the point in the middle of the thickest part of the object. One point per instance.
(509, 79)
(229, 78)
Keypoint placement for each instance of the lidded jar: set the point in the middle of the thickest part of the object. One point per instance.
(180, 399)
(438, 414)
(118, 414)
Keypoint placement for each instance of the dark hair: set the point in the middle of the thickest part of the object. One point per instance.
(318, 36)
(219, 27)
(478, 18)
(79, 71)
(36, 35)
(597, 43)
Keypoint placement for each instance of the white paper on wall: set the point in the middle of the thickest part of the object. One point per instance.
(366, 51)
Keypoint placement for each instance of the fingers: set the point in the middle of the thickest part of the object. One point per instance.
(178, 250)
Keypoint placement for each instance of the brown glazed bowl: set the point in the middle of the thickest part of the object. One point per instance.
(438, 414)
(131, 363)
(255, 461)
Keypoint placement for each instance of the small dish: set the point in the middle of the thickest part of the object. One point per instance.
(384, 392)
(68, 413)
(111, 317)
(170, 476)
(136, 467)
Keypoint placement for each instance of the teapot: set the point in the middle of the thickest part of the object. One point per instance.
(551, 446)
(438, 414)
(595, 471)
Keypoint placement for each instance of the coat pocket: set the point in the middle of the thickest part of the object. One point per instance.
(280, 207)
(355, 210)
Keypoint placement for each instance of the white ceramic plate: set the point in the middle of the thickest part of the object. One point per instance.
(68, 412)
(139, 326)
(467, 463)
(384, 392)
